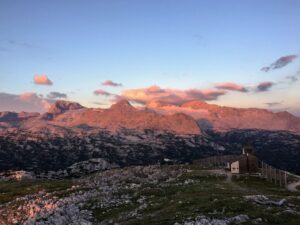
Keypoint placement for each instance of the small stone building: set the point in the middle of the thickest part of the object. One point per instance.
(246, 163)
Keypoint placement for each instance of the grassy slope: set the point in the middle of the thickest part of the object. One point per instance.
(11, 190)
(208, 195)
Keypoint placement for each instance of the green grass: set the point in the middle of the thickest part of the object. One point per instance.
(9, 190)
(262, 186)
(257, 184)
(209, 195)
(108, 213)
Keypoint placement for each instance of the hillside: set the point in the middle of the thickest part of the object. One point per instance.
(149, 195)
(43, 151)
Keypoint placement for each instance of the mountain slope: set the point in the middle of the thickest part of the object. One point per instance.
(219, 118)
(177, 194)
(67, 115)
(123, 115)
(188, 118)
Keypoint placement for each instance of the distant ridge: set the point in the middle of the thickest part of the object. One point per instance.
(221, 118)
(64, 115)
(188, 118)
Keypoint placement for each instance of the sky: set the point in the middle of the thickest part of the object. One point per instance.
(232, 53)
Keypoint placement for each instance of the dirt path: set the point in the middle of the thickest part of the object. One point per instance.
(293, 186)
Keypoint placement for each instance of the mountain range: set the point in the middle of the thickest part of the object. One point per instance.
(222, 119)
(70, 136)
(72, 116)
(189, 118)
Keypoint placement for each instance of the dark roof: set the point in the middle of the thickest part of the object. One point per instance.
(241, 157)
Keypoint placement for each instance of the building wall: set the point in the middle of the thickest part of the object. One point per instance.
(235, 167)
(245, 166)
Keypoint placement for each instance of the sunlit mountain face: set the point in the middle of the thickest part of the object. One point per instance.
(107, 109)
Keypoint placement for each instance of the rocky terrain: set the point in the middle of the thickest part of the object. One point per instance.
(44, 152)
(170, 194)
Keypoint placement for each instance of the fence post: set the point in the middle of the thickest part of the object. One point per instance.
(280, 184)
(285, 179)
(275, 177)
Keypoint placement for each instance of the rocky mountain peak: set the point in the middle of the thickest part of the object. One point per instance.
(198, 105)
(122, 105)
(63, 106)
(156, 104)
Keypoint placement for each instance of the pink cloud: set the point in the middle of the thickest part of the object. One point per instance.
(28, 102)
(33, 98)
(264, 86)
(111, 83)
(102, 92)
(279, 63)
(231, 87)
(28, 96)
(206, 94)
(265, 69)
(56, 95)
(42, 80)
(170, 96)
(272, 104)
(294, 78)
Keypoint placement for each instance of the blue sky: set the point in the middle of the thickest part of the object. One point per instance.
(173, 44)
